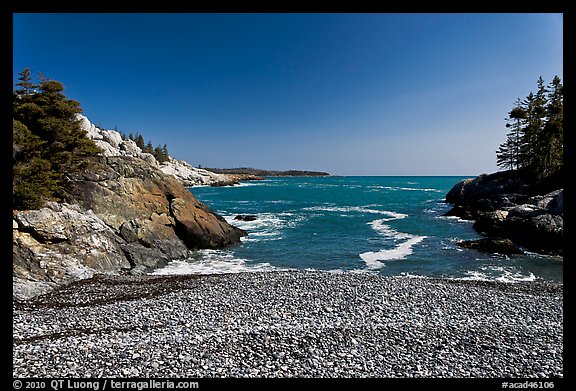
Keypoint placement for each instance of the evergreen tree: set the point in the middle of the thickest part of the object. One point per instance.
(25, 86)
(554, 127)
(505, 155)
(165, 152)
(140, 141)
(49, 144)
(508, 154)
(535, 142)
(541, 141)
(529, 133)
(149, 147)
(157, 153)
(32, 178)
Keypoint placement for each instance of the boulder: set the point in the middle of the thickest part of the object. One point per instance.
(60, 244)
(456, 194)
(199, 228)
(113, 138)
(128, 215)
(129, 148)
(192, 176)
(491, 223)
(149, 158)
(505, 205)
(246, 217)
(492, 245)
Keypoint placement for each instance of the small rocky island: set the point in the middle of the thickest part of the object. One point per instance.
(512, 211)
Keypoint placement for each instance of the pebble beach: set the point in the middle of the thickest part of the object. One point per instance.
(291, 324)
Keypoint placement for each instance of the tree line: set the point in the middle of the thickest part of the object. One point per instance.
(160, 153)
(535, 141)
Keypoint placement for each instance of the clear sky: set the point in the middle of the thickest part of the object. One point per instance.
(351, 94)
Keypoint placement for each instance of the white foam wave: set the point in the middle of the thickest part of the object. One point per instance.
(497, 273)
(455, 219)
(405, 188)
(359, 209)
(249, 183)
(212, 262)
(386, 230)
(267, 226)
(374, 260)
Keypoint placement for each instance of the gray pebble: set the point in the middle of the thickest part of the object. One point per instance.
(291, 324)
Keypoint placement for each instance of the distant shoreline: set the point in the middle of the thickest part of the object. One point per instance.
(267, 173)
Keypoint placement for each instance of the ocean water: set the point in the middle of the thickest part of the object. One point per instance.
(384, 225)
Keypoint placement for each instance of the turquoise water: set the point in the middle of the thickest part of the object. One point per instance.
(385, 225)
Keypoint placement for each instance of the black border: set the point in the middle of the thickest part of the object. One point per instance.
(263, 6)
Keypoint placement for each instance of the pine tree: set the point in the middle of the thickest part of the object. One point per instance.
(25, 86)
(140, 141)
(165, 152)
(535, 142)
(149, 147)
(529, 133)
(541, 140)
(508, 154)
(49, 144)
(504, 156)
(157, 153)
(554, 127)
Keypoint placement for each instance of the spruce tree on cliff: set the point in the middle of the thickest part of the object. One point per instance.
(48, 143)
(535, 142)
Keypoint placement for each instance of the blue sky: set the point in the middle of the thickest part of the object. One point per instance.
(351, 94)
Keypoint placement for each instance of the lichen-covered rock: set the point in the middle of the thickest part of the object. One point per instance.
(192, 176)
(60, 244)
(127, 215)
(146, 205)
(112, 144)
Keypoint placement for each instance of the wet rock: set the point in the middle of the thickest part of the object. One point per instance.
(246, 217)
(489, 245)
(505, 205)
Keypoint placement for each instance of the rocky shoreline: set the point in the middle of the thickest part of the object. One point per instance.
(512, 212)
(125, 215)
(290, 324)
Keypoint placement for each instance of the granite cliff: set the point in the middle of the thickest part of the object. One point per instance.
(112, 144)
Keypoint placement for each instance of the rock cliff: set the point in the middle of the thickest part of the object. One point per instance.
(505, 205)
(112, 144)
(126, 216)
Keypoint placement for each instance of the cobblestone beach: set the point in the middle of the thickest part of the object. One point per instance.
(291, 324)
